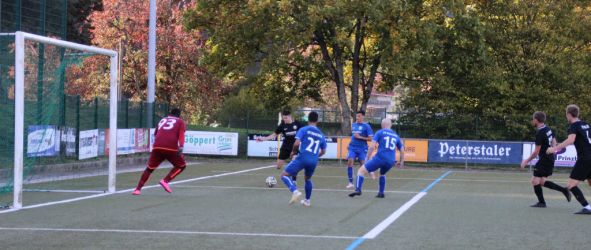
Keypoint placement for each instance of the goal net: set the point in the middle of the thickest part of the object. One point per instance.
(58, 120)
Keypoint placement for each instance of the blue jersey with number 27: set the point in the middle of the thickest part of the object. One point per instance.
(388, 141)
(311, 142)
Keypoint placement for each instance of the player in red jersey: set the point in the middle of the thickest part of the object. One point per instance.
(168, 145)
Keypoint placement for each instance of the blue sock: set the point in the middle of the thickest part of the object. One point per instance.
(350, 173)
(289, 183)
(382, 183)
(359, 185)
(308, 189)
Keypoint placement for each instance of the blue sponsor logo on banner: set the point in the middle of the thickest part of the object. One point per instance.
(475, 151)
(43, 140)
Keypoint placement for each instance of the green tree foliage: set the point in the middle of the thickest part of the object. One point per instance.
(291, 48)
(469, 69)
(237, 107)
(493, 63)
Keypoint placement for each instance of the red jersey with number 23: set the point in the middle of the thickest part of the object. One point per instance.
(170, 134)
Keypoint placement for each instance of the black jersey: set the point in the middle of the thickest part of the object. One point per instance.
(582, 141)
(288, 131)
(544, 137)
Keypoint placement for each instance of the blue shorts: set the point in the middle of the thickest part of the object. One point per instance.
(295, 166)
(357, 153)
(377, 163)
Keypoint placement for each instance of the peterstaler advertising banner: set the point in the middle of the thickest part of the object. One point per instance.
(88, 146)
(43, 140)
(489, 152)
(565, 158)
(211, 143)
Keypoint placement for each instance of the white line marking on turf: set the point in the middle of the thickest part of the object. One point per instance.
(64, 191)
(393, 217)
(89, 230)
(131, 189)
(283, 190)
(429, 179)
(372, 234)
(100, 172)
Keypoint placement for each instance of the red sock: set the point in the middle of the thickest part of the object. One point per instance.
(145, 177)
(173, 173)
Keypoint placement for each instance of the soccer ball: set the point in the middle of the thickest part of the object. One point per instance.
(271, 181)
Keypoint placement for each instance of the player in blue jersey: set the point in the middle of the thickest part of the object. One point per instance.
(362, 133)
(310, 144)
(388, 141)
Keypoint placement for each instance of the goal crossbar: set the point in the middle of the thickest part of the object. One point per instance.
(19, 105)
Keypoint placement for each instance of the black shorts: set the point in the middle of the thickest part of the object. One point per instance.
(543, 170)
(284, 153)
(582, 170)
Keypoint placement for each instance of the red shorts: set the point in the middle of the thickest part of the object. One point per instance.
(158, 156)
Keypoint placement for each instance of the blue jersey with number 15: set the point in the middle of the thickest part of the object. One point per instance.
(388, 142)
(312, 141)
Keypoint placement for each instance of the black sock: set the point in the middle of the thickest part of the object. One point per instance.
(579, 196)
(554, 186)
(294, 178)
(539, 193)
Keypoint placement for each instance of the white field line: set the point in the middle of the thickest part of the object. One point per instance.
(283, 190)
(131, 231)
(64, 191)
(393, 217)
(373, 233)
(96, 172)
(526, 180)
(131, 189)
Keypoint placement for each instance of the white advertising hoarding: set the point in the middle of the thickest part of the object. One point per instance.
(565, 158)
(88, 145)
(271, 148)
(211, 143)
(125, 141)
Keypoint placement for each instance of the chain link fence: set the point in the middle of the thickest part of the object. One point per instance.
(510, 127)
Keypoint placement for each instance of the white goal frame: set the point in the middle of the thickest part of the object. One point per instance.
(19, 105)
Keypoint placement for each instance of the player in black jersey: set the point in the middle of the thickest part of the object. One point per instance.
(578, 134)
(288, 129)
(543, 169)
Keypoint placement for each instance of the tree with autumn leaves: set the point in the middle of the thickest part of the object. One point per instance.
(180, 79)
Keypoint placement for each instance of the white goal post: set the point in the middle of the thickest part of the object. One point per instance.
(19, 105)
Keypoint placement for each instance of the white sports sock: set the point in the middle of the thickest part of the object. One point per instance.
(588, 207)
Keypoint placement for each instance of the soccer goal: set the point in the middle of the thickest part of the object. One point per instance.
(46, 125)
